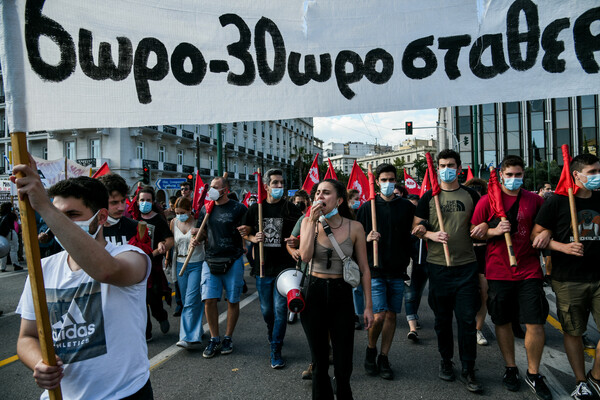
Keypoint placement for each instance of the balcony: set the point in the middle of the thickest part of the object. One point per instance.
(251, 152)
(187, 134)
(2, 99)
(229, 146)
(149, 164)
(269, 157)
(243, 176)
(275, 158)
(187, 169)
(204, 139)
(241, 149)
(170, 167)
(170, 129)
(87, 162)
(260, 154)
(205, 171)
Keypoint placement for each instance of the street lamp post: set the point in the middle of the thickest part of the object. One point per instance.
(547, 145)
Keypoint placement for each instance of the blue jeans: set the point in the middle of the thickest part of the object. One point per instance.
(232, 282)
(193, 310)
(414, 292)
(359, 300)
(273, 307)
(387, 294)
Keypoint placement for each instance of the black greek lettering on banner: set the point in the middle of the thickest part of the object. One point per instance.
(271, 60)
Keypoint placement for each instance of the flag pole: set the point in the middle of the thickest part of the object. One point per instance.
(261, 245)
(34, 265)
(374, 222)
(438, 210)
(196, 238)
(573, 210)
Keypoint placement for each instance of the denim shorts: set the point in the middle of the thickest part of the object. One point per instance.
(387, 294)
(232, 282)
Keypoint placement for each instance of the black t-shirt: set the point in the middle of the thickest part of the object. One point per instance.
(224, 240)
(278, 222)
(7, 223)
(555, 215)
(159, 232)
(121, 232)
(394, 223)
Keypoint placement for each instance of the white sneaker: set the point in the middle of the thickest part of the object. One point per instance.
(481, 340)
(582, 391)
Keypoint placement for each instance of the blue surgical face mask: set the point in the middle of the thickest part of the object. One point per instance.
(355, 204)
(592, 183)
(331, 213)
(183, 217)
(85, 226)
(513, 183)
(387, 188)
(277, 193)
(448, 174)
(145, 207)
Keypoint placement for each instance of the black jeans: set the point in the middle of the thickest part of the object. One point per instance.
(330, 312)
(145, 393)
(155, 306)
(455, 290)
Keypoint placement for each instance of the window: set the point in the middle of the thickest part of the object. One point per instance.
(538, 139)
(235, 167)
(211, 162)
(179, 157)
(211, 131)
(45, 153)
(407, 158)
(95, 148)
(588, 124)
(162, 153)
(70, 149)
(512, 133)
(2, 125)
(561, 134)
(140, 151)
(245, 127)
(245, 169)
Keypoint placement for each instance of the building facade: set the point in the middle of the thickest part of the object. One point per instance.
(534, 130)
(409, 152)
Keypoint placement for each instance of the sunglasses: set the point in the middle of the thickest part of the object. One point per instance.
(185, 189)
(329, 254)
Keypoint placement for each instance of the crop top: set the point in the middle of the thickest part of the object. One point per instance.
(322, 254)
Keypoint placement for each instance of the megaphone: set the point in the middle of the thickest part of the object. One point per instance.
(4, 247)
(288, 285)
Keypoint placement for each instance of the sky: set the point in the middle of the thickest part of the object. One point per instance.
(377, 127)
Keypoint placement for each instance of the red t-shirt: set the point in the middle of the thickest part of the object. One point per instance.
(528, 258)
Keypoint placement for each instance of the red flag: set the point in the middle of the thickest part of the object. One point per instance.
(425, 184)
(566, 179)
(469, 174)
(410, 184)
(246, 198)
(209, 206)
(371, 185)
(330, 174)
(358, 181)
(144, 243)
(199, 193)
(495, 195)
(262, 193)
(435, 186)
(133, 209)
(312, 177)
(103, 170)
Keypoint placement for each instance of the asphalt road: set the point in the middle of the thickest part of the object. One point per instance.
(246, 373)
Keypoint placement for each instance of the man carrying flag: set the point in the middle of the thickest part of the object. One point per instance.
(394, 216)
(454, 288)
(279, 217)
(575, 272)
(515, 290)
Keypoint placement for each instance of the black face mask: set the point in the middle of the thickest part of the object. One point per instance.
(301, 205)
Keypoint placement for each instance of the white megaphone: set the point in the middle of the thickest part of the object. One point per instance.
(4, 247)
(288, 285)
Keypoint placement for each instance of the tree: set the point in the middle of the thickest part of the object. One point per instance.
(399, 164)
(302, 164)
(421, 166)
(537, 174)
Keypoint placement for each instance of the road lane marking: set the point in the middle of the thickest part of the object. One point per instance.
(552, 321)
(8, 360)
(173, 349)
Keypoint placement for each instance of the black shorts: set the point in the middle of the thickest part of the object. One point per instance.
(526, 299)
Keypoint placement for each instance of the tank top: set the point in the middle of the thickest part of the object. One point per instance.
(182, 243)
(322, 254)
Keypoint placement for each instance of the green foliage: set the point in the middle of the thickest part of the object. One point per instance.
(538, 174)
(421, 167)
(399, 164)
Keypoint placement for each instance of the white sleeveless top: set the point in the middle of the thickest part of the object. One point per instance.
(182, 243)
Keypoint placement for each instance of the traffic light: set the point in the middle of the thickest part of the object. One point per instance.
(190, 177)
(146, 176)
(408, 127)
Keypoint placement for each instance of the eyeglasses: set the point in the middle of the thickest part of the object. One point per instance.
(185, 189)
(329, 254)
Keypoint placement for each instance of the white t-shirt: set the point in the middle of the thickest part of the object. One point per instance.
(98, 329)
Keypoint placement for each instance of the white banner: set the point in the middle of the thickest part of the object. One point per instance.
(53, 171)
(115, 63)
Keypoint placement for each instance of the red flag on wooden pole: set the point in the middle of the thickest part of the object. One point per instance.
(410, 184)
(566, 187)
(373, 216)
(199, 194)
(435, 191)
(103, 170)
(469, 173)
(425, 184)
(495, 198)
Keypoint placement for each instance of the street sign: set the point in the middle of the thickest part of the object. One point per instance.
(291, 193)
(169, 183)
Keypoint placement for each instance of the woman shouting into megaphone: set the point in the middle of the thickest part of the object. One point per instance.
(329, 307)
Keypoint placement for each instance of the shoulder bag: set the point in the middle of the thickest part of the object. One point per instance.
(351, 271)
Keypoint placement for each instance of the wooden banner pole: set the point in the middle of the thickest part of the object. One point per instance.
(34, 265)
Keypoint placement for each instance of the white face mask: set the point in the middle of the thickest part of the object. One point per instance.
(112, 221)
(85, 226)
(213, 194)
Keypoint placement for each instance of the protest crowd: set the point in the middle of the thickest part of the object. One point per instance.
(482, 247)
